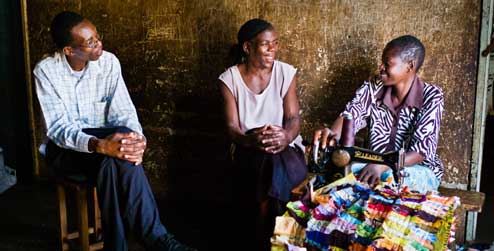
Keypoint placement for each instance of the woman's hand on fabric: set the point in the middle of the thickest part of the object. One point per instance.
(371, 174)
(276, 139)
(324, 137)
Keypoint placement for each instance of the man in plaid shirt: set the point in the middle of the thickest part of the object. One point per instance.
(93, 130)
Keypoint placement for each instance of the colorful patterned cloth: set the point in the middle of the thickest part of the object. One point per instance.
(353, 217)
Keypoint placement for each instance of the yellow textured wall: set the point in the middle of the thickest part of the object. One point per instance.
(173, 50)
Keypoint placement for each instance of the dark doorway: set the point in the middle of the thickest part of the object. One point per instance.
(14, 118)
(485, 219)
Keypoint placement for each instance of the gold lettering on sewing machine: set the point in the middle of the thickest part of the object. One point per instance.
(368, 156)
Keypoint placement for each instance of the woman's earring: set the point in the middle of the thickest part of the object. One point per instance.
(246, 50)
(410, 66)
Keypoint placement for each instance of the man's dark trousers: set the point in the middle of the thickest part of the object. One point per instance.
(125, 198)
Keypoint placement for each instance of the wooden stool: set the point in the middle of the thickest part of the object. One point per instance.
(83, 229)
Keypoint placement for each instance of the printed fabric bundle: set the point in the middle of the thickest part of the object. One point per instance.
(347, 215)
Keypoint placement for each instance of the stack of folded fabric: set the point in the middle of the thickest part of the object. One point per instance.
(417, 222)
(333, 224)
(353, 217)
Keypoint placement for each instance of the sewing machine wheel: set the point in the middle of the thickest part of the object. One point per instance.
(341, 158)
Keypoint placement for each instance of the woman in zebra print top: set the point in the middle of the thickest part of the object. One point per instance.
(402, 111)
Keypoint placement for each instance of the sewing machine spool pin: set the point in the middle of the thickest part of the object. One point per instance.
(400, 172)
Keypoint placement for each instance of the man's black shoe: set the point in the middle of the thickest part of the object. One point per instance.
(168, 243)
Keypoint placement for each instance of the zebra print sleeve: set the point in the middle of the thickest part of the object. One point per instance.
(360, 105)
(426, 134)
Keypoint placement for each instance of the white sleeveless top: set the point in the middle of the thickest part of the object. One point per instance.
(257, 110)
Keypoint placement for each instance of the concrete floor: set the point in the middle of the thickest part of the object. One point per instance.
(195, 216)
(28, 220)
(28, 217)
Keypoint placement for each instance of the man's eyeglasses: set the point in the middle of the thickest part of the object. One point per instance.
(93, 43)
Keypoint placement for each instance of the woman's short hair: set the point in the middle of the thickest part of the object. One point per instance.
(409, 48)
(61, 27)
(247, 32)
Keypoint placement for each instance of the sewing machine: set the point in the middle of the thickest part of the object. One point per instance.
(333, 162)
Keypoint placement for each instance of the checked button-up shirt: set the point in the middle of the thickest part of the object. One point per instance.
(71, 101)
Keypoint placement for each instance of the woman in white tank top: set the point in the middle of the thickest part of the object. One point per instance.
(262, 116)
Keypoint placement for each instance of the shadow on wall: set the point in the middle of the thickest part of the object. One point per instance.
(198, 172)
(345, 78)
(348, 78)
(353, 58)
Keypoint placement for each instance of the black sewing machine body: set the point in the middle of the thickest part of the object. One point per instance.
(333, 162)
